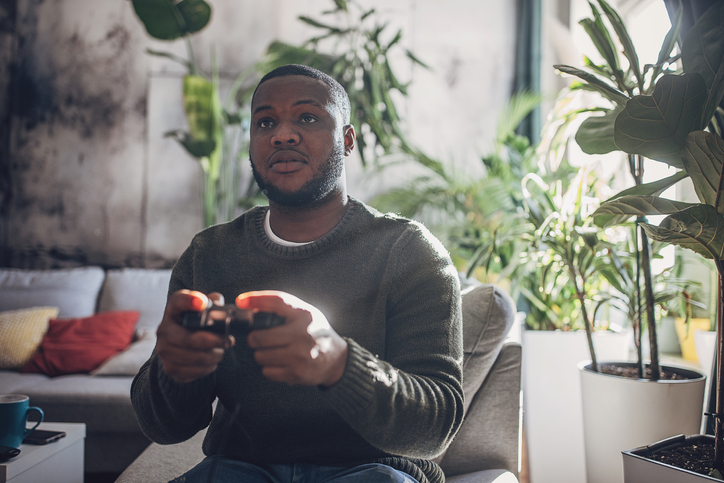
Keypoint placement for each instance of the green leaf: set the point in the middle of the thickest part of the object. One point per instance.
(197, 149)
(622, 209)
(175, 58)
(703, 53)
(396, 39)
(595, 135)
(656, 126)
(315, 23)
(167, 20)
(655, 188)
(605, 89)
(672, 36)
(703, 47)
(601, 38)
(199, 95)
(703, 158)
(699, 228)
(414, 59)
(628, 47)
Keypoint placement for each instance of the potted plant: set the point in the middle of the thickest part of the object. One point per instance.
(534, 237)
(665, 122)
(696, 226)
(622, 128)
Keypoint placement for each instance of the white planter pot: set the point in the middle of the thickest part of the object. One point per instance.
(638, 468)
(617, 415)
(552, 416)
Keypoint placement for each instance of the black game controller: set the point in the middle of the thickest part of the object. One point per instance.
(221, 319)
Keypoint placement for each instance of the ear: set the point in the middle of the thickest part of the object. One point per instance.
(349, 139)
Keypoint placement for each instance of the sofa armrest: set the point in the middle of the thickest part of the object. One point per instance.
(490, 436)
(162, 463)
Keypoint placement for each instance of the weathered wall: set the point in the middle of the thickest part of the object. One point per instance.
(92, 178)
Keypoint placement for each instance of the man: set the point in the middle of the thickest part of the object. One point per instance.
(363, 380)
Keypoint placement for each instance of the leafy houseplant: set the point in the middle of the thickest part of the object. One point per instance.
(596, 134)
(356, 51)
(666, 122)
(216, 134)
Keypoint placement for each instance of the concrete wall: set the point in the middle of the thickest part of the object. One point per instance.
(90, 177)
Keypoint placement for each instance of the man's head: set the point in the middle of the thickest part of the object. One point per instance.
(300, 135)
(336, 91)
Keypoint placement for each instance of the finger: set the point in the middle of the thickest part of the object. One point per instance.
(171, 333)
(216, 298)
(275, 301)
(186, 300)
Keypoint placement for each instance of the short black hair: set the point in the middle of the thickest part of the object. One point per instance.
(336, 91)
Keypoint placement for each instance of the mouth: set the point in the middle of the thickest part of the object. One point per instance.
(286, 161)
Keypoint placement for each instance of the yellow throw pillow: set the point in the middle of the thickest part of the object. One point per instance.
(21, 332)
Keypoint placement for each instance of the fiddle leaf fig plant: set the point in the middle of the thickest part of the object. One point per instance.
(685, 105)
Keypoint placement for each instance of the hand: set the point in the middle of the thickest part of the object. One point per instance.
(185, 355)
(305, 350)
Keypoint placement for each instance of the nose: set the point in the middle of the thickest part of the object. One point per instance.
(285, 134)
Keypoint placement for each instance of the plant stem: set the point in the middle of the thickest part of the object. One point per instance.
(636, 321)
(650, 314)
(580, 292)
(718, 433)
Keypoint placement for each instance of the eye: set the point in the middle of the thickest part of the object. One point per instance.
(307, 119)
(265, 123)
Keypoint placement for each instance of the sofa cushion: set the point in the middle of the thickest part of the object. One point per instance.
(15, 382)
(129, 361)
(138, 289)
(488, 315)
(21, 332)
(103, 403)
(73, 290)
(77, 346)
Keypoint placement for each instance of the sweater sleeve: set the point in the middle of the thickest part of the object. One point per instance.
(411, 403)
(169, 411)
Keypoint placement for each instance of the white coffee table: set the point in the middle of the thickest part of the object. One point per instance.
(59, 462)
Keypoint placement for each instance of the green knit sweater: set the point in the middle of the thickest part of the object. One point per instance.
(387, 286)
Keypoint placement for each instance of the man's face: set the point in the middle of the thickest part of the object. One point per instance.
(298, 144)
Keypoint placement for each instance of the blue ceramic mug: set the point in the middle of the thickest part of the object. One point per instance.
(14, 412)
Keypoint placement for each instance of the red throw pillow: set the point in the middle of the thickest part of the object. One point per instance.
(73, 346)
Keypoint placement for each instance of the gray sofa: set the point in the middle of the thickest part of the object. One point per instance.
(100, 400)
(485, 450)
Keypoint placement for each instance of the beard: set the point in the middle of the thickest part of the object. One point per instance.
(311, 192)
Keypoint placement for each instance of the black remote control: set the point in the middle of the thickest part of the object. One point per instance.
(7, 452)
(223, 318)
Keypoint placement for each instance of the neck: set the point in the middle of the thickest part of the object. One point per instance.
(308, 223)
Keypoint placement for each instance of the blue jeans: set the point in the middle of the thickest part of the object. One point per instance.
(219, 469)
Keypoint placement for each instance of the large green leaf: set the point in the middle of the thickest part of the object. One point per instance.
(703, 47)
(703, 53)
(699, 228)
(168, 20)
(622, 209)
(656, 126)
(703, 158)
(595, 134)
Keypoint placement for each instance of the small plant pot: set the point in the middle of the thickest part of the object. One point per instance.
(638, 467)
(686, 336)
(621, 412)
